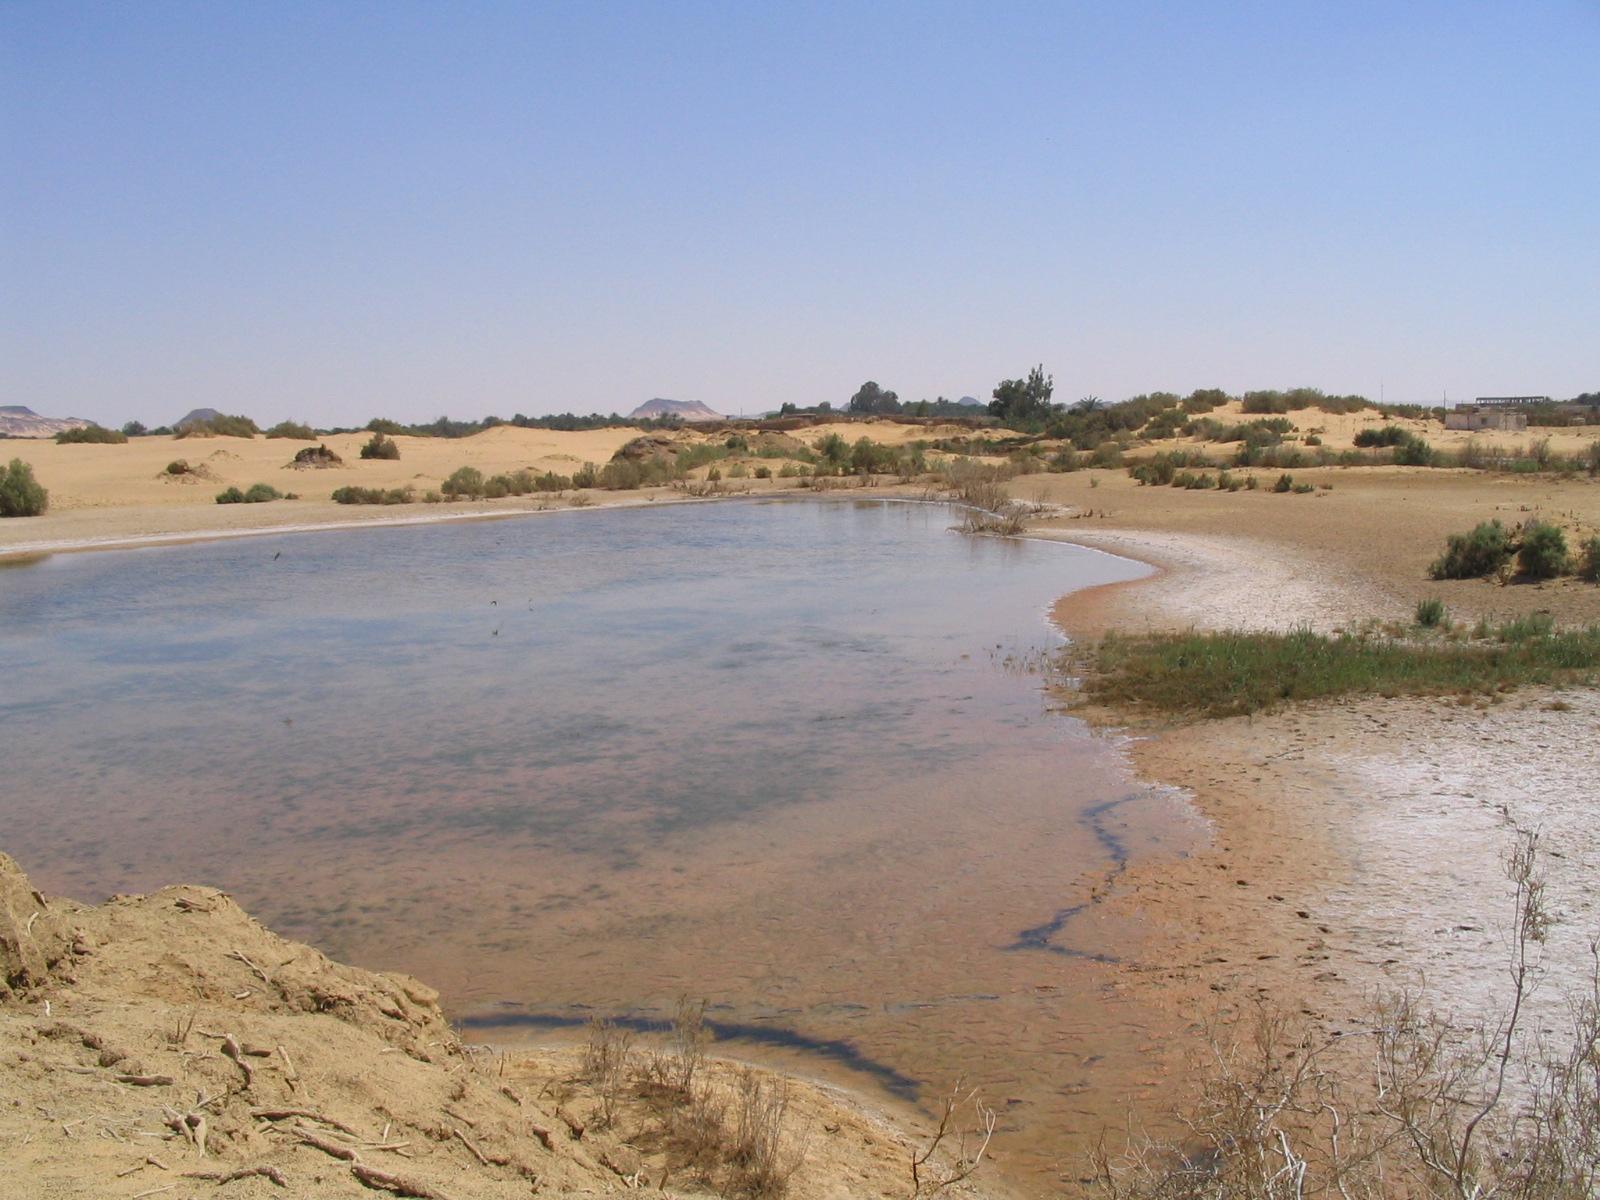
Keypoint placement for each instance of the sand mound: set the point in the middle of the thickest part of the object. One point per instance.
(169, 1035)
(169, 1042)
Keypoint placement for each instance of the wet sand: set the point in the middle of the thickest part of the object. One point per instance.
(1357, 845)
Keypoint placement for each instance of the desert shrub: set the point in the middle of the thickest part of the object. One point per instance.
(789, 470)
(1313, 440)
(714, 475)
(379, 446)
(1543, 554)
(1591, 456)
(738, 471)
(21, 495)
(257, 493)
(606, 1061)
(1473, 555)
(621, 475)
(1380, 435)
(315, 456)
(494, 488)
(761, 1166)
(763, 472)
(221, 425)
(92, 434)
(1589, 566)
(1203, 400)
(179, 466)
(134, 429)
(551, 482)
(1525, 628)
(1412, 451)
(1107, 454)
(365, 495)
(1431, 612)
(586, 476)
(432, 497)
(1302, 489)
(464, 481)
(1285, 483)
(384, 425)
(294, 430)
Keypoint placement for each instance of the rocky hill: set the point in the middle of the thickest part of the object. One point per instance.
(688, 410)
(19, 421)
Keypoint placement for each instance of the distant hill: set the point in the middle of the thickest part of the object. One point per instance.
(19, 421)
(197, 416)
(970, 402)
(688, 410)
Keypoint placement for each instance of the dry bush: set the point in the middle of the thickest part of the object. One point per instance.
(957, 1146)
(761, 1164)
(606, 1063)
(1420, 1107)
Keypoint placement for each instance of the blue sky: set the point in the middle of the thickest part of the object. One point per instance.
(335, 211)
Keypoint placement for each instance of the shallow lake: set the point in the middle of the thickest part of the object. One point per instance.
(784, 756)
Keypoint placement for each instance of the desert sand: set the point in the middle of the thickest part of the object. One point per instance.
(1354, 844)
(170, 1045)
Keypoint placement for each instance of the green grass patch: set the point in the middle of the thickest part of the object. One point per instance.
(1231, 674)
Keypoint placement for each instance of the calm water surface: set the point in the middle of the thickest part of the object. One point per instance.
(773, 754)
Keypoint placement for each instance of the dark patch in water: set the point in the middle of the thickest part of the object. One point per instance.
(1039, 937)
(835, 1049)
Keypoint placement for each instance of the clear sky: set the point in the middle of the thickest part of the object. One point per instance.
(336, 211)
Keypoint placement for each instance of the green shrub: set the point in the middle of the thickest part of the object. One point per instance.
(1302, 489)
(179, 466)
(1107, 454)
(21, 495)
(1412, 451)
(1431, 613)
(258, 493)
(1473, 555)
(90, 434)
(293, 430)
(379, 446)
(551, 482)
(1543, 554)
(220, 425)
(586, 476)
(1380, 435)
(384, 425)
(134, 429)
(1313, 440)
(464, 481)
(1285, 483)
(1523, 629)
(763, 472)
(364, 495)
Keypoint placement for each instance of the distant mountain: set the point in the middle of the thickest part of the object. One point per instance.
(688, 410)
(970, 402)
(197, 416)
(19, 421)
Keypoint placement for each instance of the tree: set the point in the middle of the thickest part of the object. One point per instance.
(134, 429)
(1025, 401)
(20, 494)
(1089, 404)
(870, 398)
